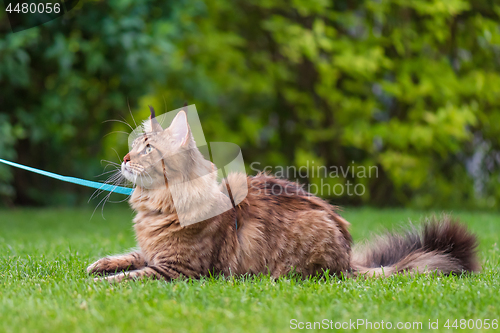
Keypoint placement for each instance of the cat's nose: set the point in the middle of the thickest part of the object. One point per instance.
(126, 158)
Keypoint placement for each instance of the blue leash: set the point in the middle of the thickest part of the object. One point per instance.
(88, 183)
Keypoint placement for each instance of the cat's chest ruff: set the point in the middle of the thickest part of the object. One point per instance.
(155, 224)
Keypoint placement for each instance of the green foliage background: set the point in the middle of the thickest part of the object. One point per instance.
(412, 87)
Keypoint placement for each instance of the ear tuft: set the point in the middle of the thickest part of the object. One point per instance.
(155, 125)
(153, 115)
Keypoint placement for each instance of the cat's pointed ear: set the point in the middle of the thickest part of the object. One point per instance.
(155, 125)
(179, 128)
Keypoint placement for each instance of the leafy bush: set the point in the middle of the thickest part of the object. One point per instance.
(409, 87)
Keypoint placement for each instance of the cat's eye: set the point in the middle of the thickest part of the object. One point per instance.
(147, 150)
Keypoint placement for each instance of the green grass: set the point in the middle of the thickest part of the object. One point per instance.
(44, 287)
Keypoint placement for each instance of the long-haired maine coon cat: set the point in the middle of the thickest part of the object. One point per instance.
(270, 231)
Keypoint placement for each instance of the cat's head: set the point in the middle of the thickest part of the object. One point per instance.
(164, 156)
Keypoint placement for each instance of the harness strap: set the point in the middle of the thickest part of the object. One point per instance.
(164, 175)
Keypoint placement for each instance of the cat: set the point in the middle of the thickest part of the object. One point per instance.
(269, 231)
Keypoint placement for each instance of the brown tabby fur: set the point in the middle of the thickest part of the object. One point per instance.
(281, 228)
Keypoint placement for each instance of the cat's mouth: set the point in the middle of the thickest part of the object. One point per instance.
(129, 172)
(136, 174)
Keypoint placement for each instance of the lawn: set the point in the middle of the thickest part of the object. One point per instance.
(44, 287)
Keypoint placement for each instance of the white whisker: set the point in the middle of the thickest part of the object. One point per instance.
(121, 132)
(106, 172)
(129, 110)
(113, 163)
(117, 155)
(125, 120)
(118, 121)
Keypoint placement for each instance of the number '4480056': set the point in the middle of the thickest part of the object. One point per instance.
(472, 324)
(34, 8)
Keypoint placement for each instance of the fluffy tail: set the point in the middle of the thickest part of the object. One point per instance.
(443, 246)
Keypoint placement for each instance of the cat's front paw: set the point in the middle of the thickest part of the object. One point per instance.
(113, 278)
(101, 267)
